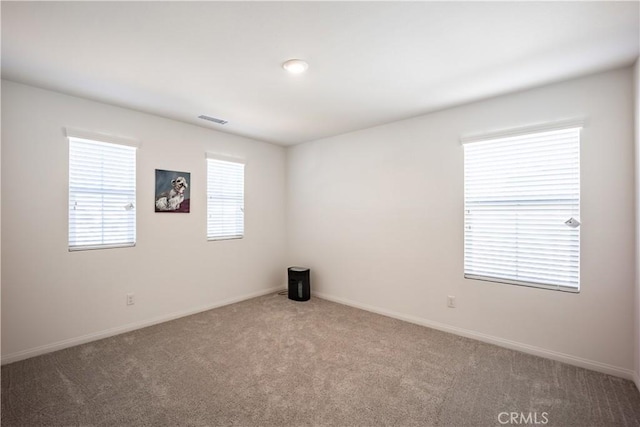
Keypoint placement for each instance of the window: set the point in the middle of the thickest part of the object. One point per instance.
(522, 207)
(225, 199)
(102, 194)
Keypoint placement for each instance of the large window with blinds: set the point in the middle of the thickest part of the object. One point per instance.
(102, 194)
(522, 209)
(225, 199)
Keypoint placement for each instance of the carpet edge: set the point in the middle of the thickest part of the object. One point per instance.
(83, 339)
(490, 339)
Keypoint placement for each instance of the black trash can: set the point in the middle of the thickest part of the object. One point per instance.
(299, 284)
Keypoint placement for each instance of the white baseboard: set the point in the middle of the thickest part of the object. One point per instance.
(48, 348)
(513, 345)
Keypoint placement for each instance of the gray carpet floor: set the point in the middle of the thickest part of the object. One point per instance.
(271, 361)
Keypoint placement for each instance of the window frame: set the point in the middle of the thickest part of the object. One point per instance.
(212, 159)
(523, 134)
(83, 136)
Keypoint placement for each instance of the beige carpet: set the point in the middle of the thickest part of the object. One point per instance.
(270, 361)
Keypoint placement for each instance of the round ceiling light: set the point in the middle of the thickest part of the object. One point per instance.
(295, 66)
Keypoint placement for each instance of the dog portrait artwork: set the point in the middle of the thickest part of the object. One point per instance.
(172, 191)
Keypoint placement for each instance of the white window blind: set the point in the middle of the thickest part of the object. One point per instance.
(522, 208)
(102, 194)
(225, 199)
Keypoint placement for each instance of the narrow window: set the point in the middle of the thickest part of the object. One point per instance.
(522, 208)
(225, 199)
(102, 194)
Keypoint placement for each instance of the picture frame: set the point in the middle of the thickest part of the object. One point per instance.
(173, 191)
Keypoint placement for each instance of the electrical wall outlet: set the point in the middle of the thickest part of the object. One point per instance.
(130, 299)
(451, 301)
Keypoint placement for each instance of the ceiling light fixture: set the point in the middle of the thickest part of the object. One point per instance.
(295, 66)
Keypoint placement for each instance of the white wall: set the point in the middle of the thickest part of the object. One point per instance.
(378, 216)
(52, 298)
(637, 207)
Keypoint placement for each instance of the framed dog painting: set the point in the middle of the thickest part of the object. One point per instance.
(172, 191)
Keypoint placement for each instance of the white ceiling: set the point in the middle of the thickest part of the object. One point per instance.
(370, 62)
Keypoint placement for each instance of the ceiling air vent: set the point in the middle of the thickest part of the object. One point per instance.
(213, 119)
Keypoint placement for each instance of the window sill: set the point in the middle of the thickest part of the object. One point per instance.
(526, 284)
(95, 247)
